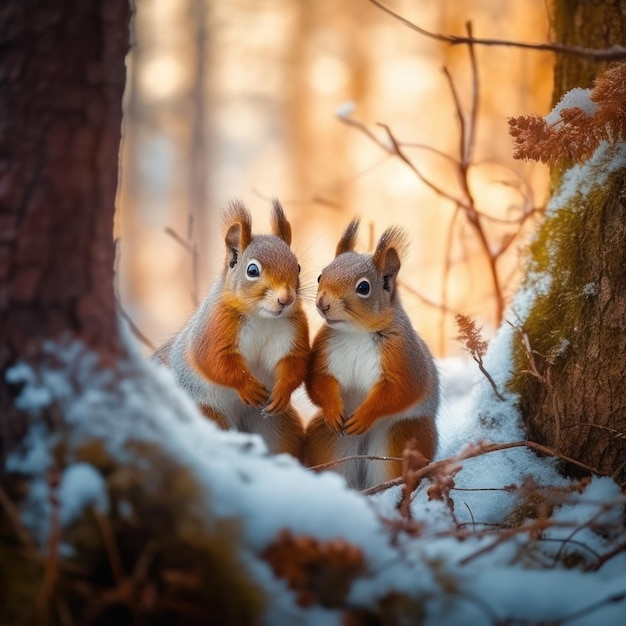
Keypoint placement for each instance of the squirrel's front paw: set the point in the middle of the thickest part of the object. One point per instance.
(357, 424)
(334, 421)
(277, 404)
(254, 393)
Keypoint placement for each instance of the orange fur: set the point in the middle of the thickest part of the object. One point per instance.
(246, 349)
(370, 373)
(214, 354)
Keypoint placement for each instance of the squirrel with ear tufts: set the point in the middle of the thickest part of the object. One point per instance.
(370, 372)
(246, 348)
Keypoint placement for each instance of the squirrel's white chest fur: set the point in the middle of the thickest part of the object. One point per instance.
(263, 342)
(353, 358)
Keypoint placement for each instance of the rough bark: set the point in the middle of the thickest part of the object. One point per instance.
(61, 87)
(576, 332)
(587, 23)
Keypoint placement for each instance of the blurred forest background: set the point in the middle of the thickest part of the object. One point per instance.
(251, 99)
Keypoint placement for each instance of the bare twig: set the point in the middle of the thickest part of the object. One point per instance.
(192, 249)
(354, 457)
(615, 53)
(587, 524)
(178, 239)
(14, 519)
(423, 298)
(51, 565)
(533, 527)
(620, 547)
(110, 546)
(475, 451)
(134, 328)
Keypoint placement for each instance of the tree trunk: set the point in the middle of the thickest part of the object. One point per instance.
(571, 384)
(61, 109)
(591, 24)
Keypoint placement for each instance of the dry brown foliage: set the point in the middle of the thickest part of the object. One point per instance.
(576, 134)
(470, 336)
(412, 462)
(319, 572)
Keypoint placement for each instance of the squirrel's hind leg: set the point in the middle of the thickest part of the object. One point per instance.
(283, 432)
(422, 429)
(214, 415)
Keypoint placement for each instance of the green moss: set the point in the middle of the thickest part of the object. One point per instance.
(562, 249)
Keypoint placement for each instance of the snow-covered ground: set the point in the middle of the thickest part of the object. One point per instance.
(510, 541)
(454, 563)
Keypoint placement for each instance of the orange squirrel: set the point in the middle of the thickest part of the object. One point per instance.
(370, 372)
(246, 348)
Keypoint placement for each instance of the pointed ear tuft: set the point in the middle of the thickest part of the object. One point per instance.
(348, 239)
(238, 227)
(388, 255)
(280, 225)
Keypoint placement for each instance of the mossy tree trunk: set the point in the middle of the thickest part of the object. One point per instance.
(63, 76)
(575, 399)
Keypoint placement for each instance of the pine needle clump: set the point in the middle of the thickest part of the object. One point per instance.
(576, 126)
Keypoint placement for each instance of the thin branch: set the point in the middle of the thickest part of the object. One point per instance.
(475, 451)
(487, 375)
(620, 547)
(178, 239)
(134, 328)
(397, 150)
(14, 518)
(192, 249)
(424, 299)
(110, 546)
(469, 147)
(615, 53)
(354, 457)
(532, 528)
(51, 564)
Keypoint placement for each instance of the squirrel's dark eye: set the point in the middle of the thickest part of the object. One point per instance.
(363, 288)
(253, 270)
(299, 268)
(318, 278)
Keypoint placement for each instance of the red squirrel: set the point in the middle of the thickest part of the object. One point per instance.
(246, 348)
(370, 372)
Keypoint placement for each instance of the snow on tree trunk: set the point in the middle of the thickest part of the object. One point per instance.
(570, 368)
(61, 110)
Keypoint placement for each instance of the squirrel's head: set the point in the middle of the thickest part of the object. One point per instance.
(261, 276)
(359, 291)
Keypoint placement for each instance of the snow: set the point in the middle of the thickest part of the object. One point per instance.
(579, 180)
(273, 493)
(81, 486)
(345, 109)
(458, 565)
(575, 98)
